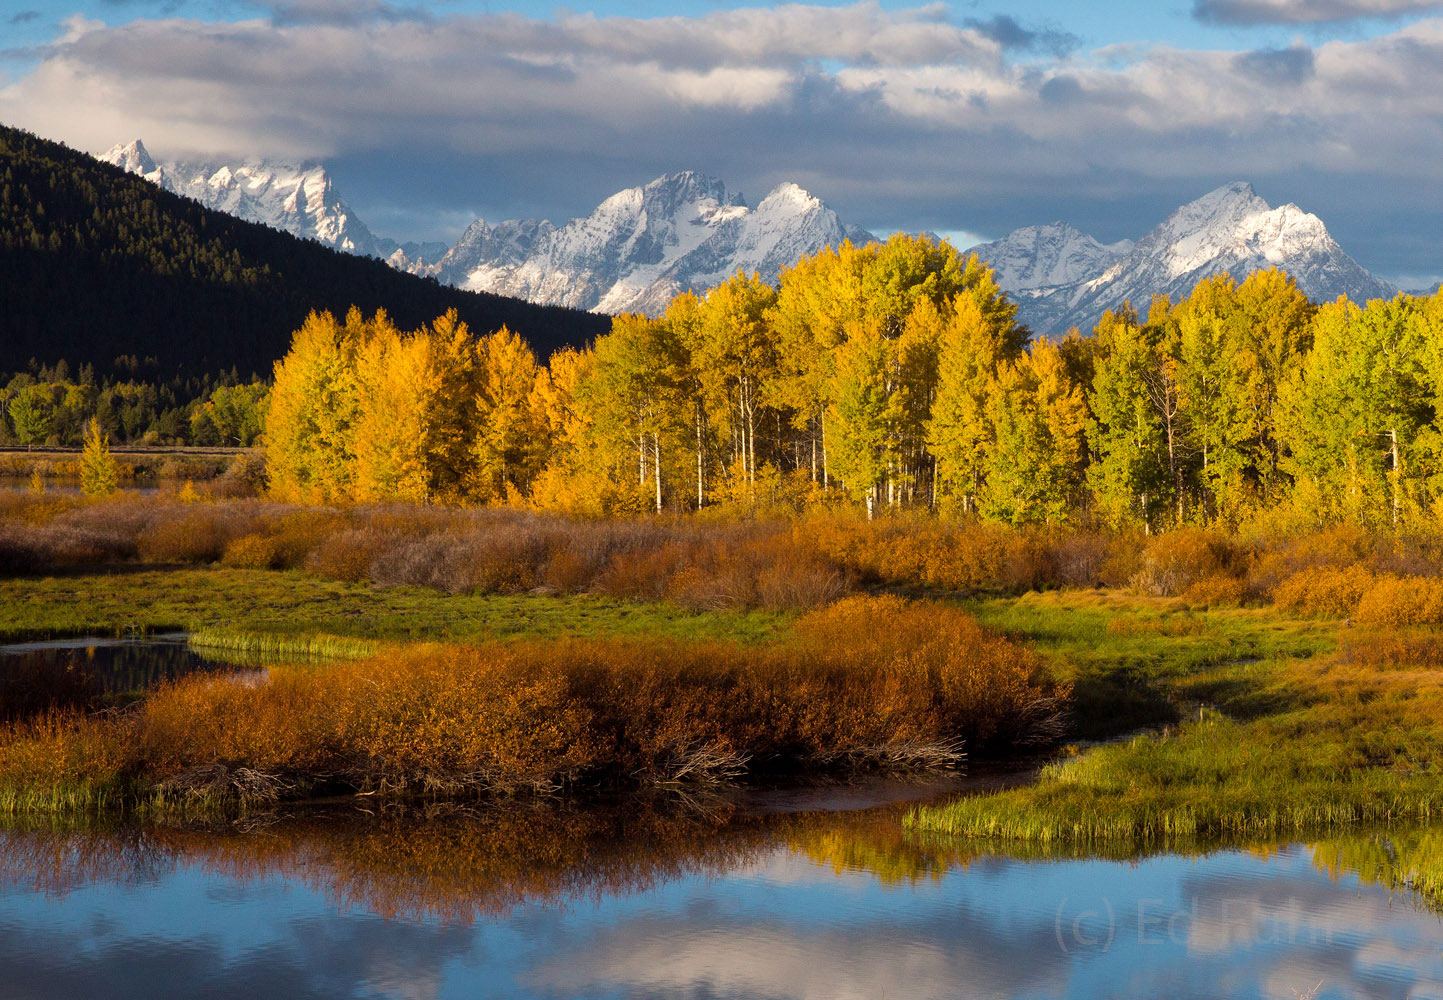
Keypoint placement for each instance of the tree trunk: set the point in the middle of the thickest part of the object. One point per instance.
(700, 480)
(1397, 472)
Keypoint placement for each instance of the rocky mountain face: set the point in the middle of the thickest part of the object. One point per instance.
(1063, 278)
(637, 250)
(1037, 258)
(642, 246)
(295, 198)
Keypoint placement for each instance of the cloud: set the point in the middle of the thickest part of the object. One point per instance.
(340, 13)
(1008, 33)
(25, 17)
(1277, 66)
(1306, 11)
(896, 117)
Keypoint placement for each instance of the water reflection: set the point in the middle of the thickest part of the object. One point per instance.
(660, 899)
(90, 673)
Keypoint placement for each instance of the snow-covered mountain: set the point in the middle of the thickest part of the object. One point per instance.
(1036, 258)
(642, 246)
(296, 198)
(1063, 278)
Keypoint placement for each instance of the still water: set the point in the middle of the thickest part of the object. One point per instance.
(92, 672)
(696, 899)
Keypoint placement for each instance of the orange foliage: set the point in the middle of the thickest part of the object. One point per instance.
(1406, 600)
(1319, 590)
(1177, 560)
(866, 679)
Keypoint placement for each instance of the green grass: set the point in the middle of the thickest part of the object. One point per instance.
(1205, 781)
(1280, 733)
(1138, 661)
(262, 609)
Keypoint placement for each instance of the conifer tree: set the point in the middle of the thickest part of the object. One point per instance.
(99, 473)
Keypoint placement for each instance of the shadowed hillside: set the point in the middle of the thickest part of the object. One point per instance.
(96, 264)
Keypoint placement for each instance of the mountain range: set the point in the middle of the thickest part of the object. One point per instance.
(1062, 278)
(643, 245)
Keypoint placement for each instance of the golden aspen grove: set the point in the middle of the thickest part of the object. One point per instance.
(887, 377)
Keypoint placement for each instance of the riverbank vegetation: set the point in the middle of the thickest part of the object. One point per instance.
(1315, 724)
(862, 683)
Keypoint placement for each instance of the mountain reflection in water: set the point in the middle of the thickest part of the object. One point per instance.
(710, 899)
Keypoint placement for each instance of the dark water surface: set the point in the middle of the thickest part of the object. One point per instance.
(698, 898)
(90, 673)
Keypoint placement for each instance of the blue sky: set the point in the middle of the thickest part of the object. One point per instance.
(966, 117)
(1092, 23)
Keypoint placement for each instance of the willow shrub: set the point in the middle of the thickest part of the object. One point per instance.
(864, 681)
(1329, 591)
(1408, 600)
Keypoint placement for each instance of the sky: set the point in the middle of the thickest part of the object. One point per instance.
(968, 118)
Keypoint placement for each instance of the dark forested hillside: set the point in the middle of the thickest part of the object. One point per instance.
(96, 264)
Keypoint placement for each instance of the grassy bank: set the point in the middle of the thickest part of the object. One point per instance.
(864, 683)
(1287, 725)
(271, 611)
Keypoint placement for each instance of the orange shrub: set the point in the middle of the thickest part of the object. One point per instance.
(923, 551)
(1407, 600)
(866, 680)
(1323, 591)
(196, 534)
(253, 551)
(641, 574)
(1213, 591)
(348, 554)
(568, 572)
(1174, 560)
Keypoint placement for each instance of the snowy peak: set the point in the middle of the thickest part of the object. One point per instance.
(1227, 231)
(133, 158)
(1039, 257)
(643, 245)
(1226, 206)
(298, 198)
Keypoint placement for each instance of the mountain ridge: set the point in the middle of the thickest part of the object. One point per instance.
(297, 198)
(1228, 230)
(643, 245)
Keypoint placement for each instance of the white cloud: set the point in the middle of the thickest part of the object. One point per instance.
(893, 110)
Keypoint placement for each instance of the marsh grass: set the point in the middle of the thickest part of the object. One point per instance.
(1288, 745)
(239, 646)
(272, 607)
(1138, 661)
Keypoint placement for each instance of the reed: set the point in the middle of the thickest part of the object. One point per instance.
(239, 645)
